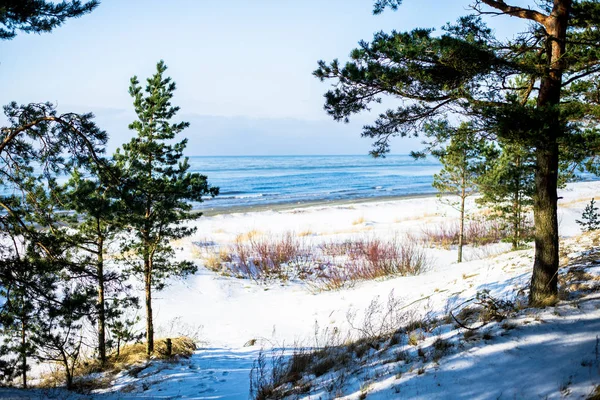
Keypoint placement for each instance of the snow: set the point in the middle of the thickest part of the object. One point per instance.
(551, 353)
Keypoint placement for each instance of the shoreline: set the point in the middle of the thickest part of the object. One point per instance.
(286, 206)
(211, 212)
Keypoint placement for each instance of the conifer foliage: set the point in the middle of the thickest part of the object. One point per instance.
(507, 188)
(538, 89)
(37, 16)
(590, 219)
(95, 223)
(462, 159)
(157, 188)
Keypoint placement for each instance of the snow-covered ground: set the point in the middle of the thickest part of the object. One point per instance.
(550, 354)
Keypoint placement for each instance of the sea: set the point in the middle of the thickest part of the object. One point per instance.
(251, 181)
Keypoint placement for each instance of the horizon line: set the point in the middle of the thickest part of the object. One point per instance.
(300, 155)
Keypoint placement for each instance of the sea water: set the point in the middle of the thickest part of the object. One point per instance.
(248, 181)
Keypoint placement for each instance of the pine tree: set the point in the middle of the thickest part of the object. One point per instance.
(158, 188)
(33, 265)
(59, 336)
(37, 16)
(507, 188)
(590, 219)
(17, 321)
(461, 160)
(38, 144)
(97, 220)
(467, 70)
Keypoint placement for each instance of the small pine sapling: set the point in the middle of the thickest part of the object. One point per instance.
(461, 156)
(590, 219)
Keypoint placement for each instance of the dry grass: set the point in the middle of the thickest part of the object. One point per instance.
(215, 261)
(574, 202)
(367, 259)
(333, 356)
(478, 232)
(418, 217)
(259, 257)
(248, 236)
(129, 358)
(330, 265)
(134, 353)
(359, 221)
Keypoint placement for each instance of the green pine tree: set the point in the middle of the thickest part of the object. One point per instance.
(590, 219)
(59, 336)
(461, 160)
(467, 70)
(507, 188)
(36, 261)
(96, 222)
(157, 188)
(35, 146)
(17, 321)
(37, 16)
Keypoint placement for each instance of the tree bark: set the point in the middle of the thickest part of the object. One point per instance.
(544, 280)
(461, 236)
(101, 305)
(24, 352)
(516, 240)
(68, 371)
(148, 259)
(149, 323)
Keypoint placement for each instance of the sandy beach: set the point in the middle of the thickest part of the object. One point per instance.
(209, 211)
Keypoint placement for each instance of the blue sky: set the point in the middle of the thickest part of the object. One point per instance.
(243, 68)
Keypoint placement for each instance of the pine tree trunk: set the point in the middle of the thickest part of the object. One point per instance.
(69, 378)
(517, 207)
(101, 305)
(24, 352)
(149, 323)
(461, 236)
(68, 372)
(544, 281)
(148, 260)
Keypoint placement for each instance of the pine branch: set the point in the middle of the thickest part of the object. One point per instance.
(519, 12)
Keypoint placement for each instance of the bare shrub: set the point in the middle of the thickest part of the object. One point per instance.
(336, 356)
(373, 258)
(477, 312)
(381, 319)
(276, 375)
(264, 258)
(478, 232)
(352, 249)
(330, 265)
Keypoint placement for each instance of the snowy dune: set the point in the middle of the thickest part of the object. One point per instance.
(236, 318)
(287, 313)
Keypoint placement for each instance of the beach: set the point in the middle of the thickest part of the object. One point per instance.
(247, 309)
(234, 320)
(237, 320)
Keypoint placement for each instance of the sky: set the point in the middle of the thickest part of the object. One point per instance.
(243, 68)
